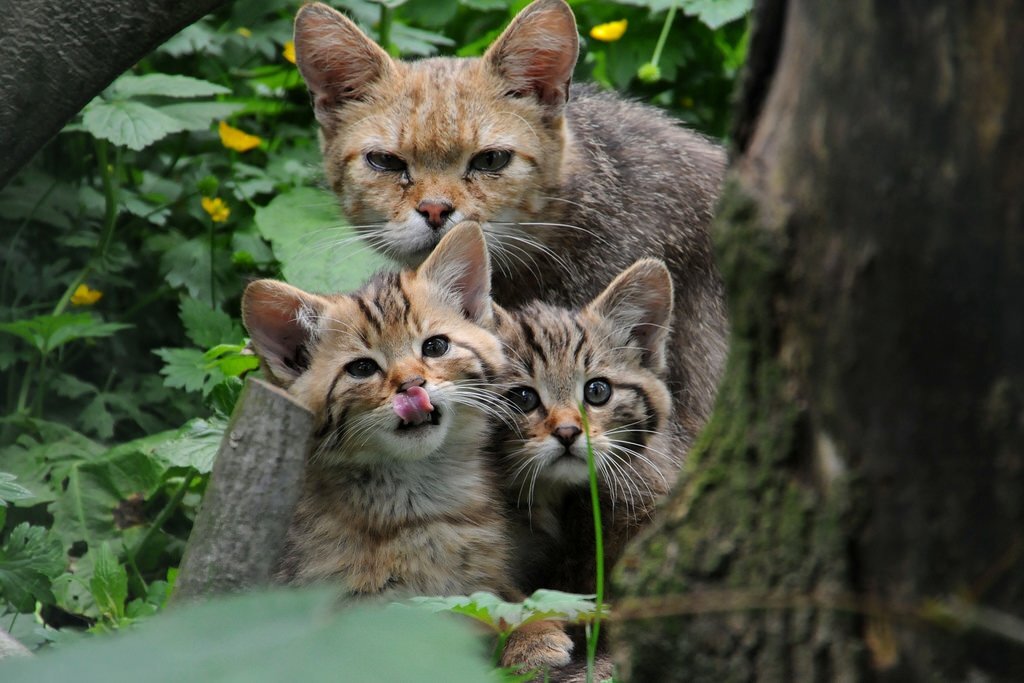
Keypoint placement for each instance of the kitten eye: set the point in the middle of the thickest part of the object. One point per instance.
(362, 367)
(524, 398)
(596, 392)
(491, 160)
(382, 161)
(435, 347)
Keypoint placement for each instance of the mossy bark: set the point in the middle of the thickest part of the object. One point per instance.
(859, 491)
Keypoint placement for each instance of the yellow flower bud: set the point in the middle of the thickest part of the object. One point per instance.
(289, 51)
(216, 207)
(236, 139)
(83, 296)
(610, 32)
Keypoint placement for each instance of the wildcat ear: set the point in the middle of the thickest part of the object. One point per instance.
(639, 303)
(283, 322)
(337, 60)
(537, 52)
(459, 267)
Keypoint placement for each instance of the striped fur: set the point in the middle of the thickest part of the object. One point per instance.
(619, 338)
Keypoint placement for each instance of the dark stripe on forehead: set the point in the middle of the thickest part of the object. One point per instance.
(489, 370)
(583, 339)
(369, 316)
(652, 416)
(531, 340)
(404, 300)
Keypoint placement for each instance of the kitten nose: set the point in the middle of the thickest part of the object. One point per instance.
(567, 434)
(409, 383)
(436, 213)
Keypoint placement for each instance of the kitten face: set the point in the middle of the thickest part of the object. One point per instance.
(609, 358)
(411, 149)
(389, 371)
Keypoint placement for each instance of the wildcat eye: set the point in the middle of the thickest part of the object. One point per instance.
(596, 392)
(362, 367)
(524, 398)
(435, 347)
(382, 161)
(491, 161)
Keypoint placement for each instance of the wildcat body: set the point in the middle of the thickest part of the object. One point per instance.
(570, 187)
(610, 358)
(397, 500)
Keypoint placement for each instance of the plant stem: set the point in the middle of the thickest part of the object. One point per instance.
(384, 27)
(213, 284)
(664, 34)
(595, 502)
(161, 519)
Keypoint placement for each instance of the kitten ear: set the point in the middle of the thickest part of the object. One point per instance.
(337, 60)
(639, 303)
(537, 52)
(284, 323)
(459, 267)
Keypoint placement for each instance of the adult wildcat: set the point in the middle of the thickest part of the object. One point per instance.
(571, 186)
(398, 498)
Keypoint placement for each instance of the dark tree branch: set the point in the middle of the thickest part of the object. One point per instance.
(58, 55)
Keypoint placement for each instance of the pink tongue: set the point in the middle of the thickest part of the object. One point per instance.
(413, 406)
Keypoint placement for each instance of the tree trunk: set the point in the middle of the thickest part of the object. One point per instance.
(855, 508)
(256, 481)
(58, 55)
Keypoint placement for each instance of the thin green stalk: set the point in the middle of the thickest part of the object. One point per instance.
(664, 34)
(595, 502)
(25, 382)
(213, 251)
(160, 520)
(384, 27)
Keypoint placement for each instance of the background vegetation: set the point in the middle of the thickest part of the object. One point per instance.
(128, 240)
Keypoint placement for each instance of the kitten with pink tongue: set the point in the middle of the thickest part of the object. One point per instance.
(413, 406)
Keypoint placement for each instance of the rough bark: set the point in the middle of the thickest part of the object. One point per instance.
(58, 55)
(240, 530)
(854, 509)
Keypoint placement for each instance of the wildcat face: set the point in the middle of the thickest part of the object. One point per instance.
(411, 149)
(609, 357)
(392, 371)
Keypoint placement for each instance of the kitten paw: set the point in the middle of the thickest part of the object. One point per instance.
(540, 645)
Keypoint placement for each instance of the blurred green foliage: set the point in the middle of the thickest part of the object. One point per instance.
(126, 244)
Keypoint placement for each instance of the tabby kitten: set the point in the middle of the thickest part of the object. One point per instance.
(397, 499)
(609, 357)
(571, 186)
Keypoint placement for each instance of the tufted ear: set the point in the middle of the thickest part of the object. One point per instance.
(537, 52)
(284, 324)
(639, 303)
(459, 267)
(338, 61)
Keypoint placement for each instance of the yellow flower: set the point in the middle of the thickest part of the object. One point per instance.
(217, 209)
(235, 139)
(609, 32)
(289, 51)
(244, 32)
(84, 296)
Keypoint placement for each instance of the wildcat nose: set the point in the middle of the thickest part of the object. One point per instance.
(566, 434)
(436, 213)
(409, 383)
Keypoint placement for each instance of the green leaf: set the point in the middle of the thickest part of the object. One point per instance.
(207, 326)
(165, 85)
(195, 445)
(311, 241)
(99, 493)
(199, 115)
(96, 419)
(187, 264)
(715, 13)
(11, 491)
(48, 332)
(267, 638)
(132, 124)
(109, 583)
(29, 560)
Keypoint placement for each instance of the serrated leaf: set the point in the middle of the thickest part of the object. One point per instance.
(71, 387)
(195, 445)
(132, 124)
(187, 264)
(91, 508)
(304, 227)
(165, 85)
(96, 418)
(199, 115)
(109, 583)
(29, 560)
(716, 13)
(48, 332)
(11, 490)
(207, 326)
